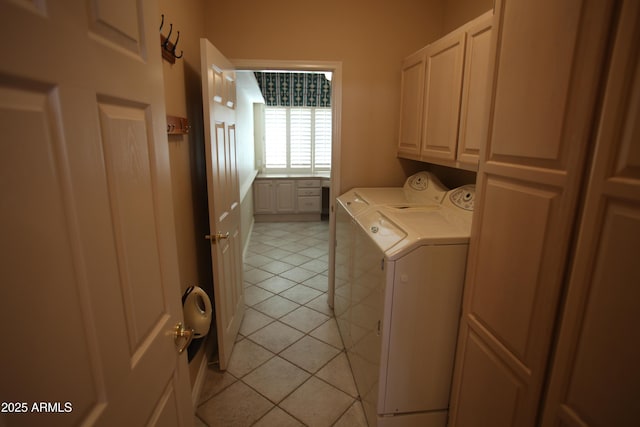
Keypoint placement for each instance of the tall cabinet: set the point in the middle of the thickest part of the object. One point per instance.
(443, 94)
(595, 378)
(547, 332)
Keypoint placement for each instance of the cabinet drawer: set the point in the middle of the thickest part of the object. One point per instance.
(309, 204)
(309, 183)
(308, 192)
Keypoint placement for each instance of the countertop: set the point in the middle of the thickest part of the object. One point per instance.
(322, 175)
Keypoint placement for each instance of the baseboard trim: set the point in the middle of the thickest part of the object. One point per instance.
(199, 382)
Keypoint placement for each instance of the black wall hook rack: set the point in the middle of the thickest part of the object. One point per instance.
(169, 48)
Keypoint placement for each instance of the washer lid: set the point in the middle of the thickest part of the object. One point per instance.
(383, 231)
(381, 195)
(353, 202)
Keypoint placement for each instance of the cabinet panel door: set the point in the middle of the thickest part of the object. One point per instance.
(443, 85)
(264, 201)
(475, 90)
(285, 196)
(412, 96)
(309, 204)
(595, 378)
(544, 100)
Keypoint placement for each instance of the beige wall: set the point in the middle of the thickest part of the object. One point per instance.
(370, 38)
(458, 12)
(184, 98)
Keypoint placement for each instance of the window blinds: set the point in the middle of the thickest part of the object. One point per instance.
(298, 138)
(275, 137)
(300, 131)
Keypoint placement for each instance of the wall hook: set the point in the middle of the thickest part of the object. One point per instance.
(166, 40)
(175, 45)
(168, 48)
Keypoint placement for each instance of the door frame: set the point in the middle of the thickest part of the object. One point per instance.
(336, 107)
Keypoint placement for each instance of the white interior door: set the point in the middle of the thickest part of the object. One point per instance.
(89, 268)
(218, 93)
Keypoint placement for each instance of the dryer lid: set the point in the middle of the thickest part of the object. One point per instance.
(427, 225)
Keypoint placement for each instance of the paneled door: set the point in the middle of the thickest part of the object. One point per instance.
(595, 380)
(544, 101)
(89, 271)
(218, 94)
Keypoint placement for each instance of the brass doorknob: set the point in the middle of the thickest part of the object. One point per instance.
(182, 336)
(217, 236)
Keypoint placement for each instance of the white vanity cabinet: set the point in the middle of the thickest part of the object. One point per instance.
(309, 193)
(273, 196)
(443, 97)
(287, 199)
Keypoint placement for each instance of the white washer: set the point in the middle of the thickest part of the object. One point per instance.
(398, 304)
(422, 188)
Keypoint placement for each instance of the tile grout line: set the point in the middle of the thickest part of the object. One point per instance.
(264, 241)
(306, 334)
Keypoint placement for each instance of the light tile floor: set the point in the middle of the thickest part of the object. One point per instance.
(288, 366)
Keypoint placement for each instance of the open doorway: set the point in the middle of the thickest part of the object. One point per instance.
(334, 69)
(289, 348)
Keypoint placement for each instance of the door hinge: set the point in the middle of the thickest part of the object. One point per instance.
(382, 264)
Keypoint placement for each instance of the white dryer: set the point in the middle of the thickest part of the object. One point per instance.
(399, 306)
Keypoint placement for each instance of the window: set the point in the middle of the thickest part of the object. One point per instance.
(297, 139)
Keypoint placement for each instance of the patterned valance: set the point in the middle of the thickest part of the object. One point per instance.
(295, 89)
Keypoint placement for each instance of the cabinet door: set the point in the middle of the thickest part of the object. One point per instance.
(595, 379)
(411, 99)
(285, 196)
(263, 198)
(544, 101)
(475, 90)
(309, 204)
(443, 85)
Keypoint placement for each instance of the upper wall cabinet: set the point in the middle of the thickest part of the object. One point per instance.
(443, 97)
(443, 84)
